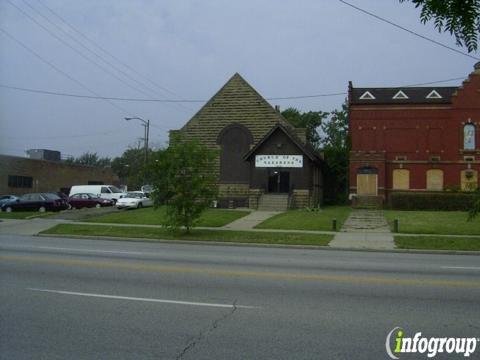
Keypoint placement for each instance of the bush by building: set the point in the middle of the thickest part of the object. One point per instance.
(445, 201)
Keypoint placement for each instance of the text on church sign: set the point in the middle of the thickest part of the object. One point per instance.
(292, 161)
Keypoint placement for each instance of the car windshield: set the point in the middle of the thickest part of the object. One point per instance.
(114, 189)
(51, 196)
(134, 195)
(93, 196)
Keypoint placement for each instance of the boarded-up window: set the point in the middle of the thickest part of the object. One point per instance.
(469, 180)
(401, 179)
(435, 179)
(367, 184)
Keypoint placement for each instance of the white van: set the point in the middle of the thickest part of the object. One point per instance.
(110, 192)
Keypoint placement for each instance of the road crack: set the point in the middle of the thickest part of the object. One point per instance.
(203, 334)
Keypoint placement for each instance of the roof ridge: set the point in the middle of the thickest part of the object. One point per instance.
(237, 76)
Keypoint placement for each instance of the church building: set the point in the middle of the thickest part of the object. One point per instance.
(414, 139)
(264, 162)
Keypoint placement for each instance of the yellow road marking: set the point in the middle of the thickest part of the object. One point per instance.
(238, 273)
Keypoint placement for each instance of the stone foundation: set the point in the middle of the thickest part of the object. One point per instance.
(300, 199)
(233, 195)
(254, 197)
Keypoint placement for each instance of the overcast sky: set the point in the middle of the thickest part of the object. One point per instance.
(187, 50)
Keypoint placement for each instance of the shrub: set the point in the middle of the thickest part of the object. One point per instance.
(448, 201)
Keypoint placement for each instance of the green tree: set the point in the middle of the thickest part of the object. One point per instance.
(184, 181)
(90, 159)
(310, 120)
(130, 167)
(336, 149)
(459, 17)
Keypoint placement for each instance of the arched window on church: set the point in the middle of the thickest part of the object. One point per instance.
(235, 141)
(469, 137)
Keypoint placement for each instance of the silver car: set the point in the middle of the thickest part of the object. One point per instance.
(134, 200)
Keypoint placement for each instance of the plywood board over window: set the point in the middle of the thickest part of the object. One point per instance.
(435, 180)
(469, 180)
(367, 184)
(401, 179)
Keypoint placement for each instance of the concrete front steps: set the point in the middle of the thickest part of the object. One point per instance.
(367, 202)
(273, 202)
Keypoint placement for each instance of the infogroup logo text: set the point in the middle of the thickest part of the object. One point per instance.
(429, 346)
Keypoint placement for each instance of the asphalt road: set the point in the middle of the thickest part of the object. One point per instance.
(84, 299)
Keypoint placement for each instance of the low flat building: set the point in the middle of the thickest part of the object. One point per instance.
(264, 161)
(20, 175)
(414, 139)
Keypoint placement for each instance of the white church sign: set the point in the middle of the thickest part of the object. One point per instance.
(269, 161)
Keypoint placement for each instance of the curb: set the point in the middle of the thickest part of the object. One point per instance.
(186, 242)
(261, 245)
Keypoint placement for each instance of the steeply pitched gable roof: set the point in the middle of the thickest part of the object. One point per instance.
(235, 98)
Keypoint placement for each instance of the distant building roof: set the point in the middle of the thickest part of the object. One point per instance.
(401, 95)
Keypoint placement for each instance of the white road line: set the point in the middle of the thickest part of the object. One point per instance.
(72, 249)
(461, 267)
(143, 299)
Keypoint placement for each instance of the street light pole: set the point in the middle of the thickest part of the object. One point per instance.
(146, 125)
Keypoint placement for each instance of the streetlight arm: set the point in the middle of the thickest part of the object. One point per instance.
(136, 118)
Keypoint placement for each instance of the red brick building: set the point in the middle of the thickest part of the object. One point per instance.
(415, 139)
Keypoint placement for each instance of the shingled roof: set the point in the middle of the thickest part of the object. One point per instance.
(236, 102)
(401, 95)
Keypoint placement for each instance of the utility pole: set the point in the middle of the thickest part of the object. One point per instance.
(146, 125)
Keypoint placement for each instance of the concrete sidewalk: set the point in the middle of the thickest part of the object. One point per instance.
(27, 227)
(364, 229)
(250, 221)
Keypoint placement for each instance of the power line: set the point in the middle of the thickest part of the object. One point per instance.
(86, 47)
(98, 46)
(436, 82)
(97, 97)
(6, 33)
(63, 136)
(407, 30)
(306, 96)
(46, 92)
(80, 53)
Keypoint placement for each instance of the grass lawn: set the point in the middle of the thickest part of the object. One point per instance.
(23, 214)
(201, 235)
(434, 222)
(437, 243)
(308, 220)
(149, 216)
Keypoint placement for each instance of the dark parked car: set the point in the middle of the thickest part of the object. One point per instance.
(7, 198)
(36, 202)
(62, 195)
(81, 200)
